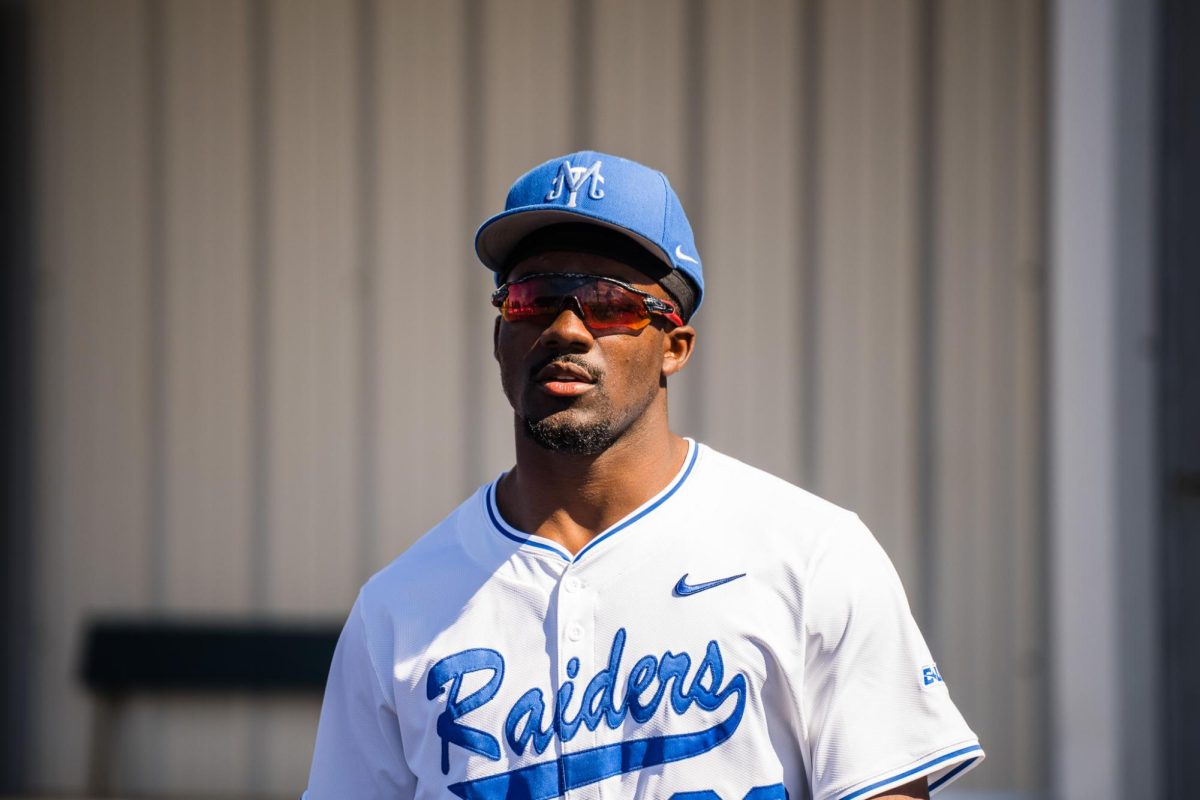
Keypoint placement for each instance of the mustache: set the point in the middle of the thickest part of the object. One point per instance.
(566, 358)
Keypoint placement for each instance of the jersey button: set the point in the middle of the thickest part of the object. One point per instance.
(572, 584)
(575, 632)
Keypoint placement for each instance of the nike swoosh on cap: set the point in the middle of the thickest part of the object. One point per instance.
(682, 256)
(683, 588)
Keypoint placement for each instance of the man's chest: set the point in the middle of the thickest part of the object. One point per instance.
(608, 683)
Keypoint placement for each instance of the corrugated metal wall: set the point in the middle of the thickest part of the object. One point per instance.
(243, 406)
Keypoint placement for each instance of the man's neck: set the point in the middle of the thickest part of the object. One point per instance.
(570, 499)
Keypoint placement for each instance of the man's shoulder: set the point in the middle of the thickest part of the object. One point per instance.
(778, 525)
(730, 481)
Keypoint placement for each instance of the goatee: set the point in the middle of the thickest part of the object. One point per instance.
(563, 437)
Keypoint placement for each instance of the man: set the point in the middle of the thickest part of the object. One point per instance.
(627, 613)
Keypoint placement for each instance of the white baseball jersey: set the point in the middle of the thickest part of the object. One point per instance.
(734, 637)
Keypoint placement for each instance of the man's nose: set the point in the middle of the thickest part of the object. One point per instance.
(567, 332)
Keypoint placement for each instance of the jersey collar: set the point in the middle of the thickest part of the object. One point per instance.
(547, 547)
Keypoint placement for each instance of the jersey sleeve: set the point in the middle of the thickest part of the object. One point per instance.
(358, 751)
(877, 711)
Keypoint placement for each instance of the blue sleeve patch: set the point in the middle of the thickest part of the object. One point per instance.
(930, 677)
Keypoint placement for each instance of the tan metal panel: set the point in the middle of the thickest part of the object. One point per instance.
(313, 300)
(424, 266)
(313, 471)
(441, 428)
(866, 233)
(748, 343)
(987, 581)
(964, 504)
(639, 109)
(528, 53)
(93, 331)
(290, 726)
(1028, 74)
(205, 746)
(638, 104)
(208, 292)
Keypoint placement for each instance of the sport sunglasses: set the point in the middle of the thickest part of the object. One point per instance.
(606, 304)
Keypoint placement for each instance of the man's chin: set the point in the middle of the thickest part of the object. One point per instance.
(559, 433)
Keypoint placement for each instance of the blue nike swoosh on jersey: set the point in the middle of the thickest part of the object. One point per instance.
(683, 589)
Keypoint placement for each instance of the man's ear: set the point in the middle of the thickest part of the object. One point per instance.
(496, 339)
(678, 344)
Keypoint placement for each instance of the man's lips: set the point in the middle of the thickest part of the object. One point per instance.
(564, 379)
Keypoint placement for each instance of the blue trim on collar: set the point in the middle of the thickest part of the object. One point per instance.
(493, 514)
(620, 526)
(508, 532)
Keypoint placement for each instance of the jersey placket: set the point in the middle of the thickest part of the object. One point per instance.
(576, 662)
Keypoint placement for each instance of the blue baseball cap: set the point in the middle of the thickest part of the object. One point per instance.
(599, 189)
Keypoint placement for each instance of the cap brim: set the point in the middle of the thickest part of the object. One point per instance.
(497, 237)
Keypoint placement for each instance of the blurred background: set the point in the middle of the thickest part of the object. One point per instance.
(950, 248)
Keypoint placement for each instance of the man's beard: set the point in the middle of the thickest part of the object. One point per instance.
(561, 436)
(559, 433)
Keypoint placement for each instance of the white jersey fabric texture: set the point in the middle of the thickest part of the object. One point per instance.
(734, 637)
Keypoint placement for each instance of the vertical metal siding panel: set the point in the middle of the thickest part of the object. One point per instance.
(987, 450)
(640, 112)
(638, 105)
(927, 104)
(313, 516)
(288, 726)
(528, 56)
(994, 304)
(866, 211)
(696, 74)
(366, 148)
(313, 307)
(207, 361)
(422, 249)
(810, 45)
(1028, 65)
(474, 363)
(963, 660)
(262, 131)
(207, 278)
(94, 370)
(748, 341)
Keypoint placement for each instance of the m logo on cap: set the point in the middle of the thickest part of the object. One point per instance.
(572, 178)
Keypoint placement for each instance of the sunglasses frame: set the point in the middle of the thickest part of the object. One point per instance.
(653, 305)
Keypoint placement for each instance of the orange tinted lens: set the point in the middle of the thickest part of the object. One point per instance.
(527, 301)
(606, 305)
